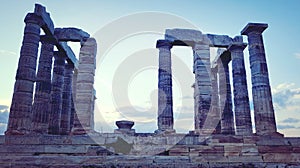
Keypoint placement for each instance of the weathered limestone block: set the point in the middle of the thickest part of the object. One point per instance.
(71, 34)
(219, 40)
(165, 118)
(274, 149)
(85, 94)
(184, 36)
(240, 90)
(230, 150)
(42, 106)
(250, 150)
(20, 110)
(245, 159)
(261, 91)
(282, 157)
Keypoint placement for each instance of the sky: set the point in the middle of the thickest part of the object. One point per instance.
(127, 61)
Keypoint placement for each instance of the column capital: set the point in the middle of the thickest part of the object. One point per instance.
(200, 46)
(33, 18)
(237, 45)
(254, 27)
(164, 43)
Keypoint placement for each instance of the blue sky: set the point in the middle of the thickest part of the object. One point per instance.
(100, 19)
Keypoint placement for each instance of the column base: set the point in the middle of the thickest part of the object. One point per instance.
(167, 131)
(125, 131)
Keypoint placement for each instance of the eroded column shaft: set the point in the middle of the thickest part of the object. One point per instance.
(165, 100)
(41, 106)
(240, 90)
(227, 122)
(262, 98)
(20, 110)
(66, 99)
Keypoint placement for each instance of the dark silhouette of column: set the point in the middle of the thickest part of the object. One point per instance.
(202, 70)
(41, 106)
(165, 100)
(262, 98)
(227, 124)
(66, 99)
(20, 110)
(240, 90)
(56, 92)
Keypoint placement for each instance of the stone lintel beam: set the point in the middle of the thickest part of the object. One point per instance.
(63, 46)
(48, 25)
(184, 37)
(254, 27)
(219, 40)
(71, 34)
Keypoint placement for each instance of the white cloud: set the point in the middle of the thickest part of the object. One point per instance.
(297, 55)
(6, 52)
(286, 101)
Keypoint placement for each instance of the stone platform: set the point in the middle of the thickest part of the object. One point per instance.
(148, 150)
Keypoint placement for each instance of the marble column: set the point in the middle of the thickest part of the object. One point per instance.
(227, 122)
(215, 109)
(240, 89)
(165, 100)
(41, 106)
(66, 99)
(203, 87)
(84, 91)
(262, 98)
(20, 110)
(56, 92)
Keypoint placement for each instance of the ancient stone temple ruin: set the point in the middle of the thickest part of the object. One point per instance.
(51, 121)
(212, 95)
(50, 110)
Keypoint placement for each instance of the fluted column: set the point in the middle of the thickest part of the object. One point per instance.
(261, 90)
(84, 92)
(215, 109)
(240, 89)
(20, 110)
(56, 92)
(227, 122)
(41, 106)
(165, 100)
(203, 87)
(66, 99)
